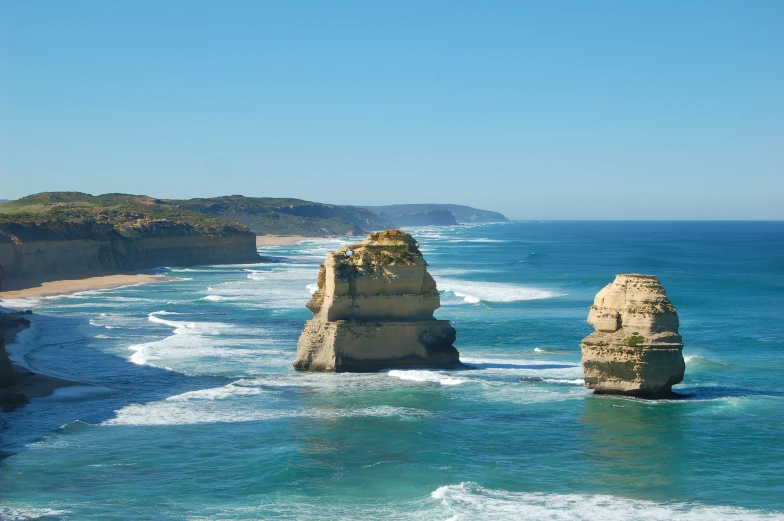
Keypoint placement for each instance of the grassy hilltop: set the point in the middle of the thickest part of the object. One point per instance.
(278, 216)
(64, 214)
(76, 215)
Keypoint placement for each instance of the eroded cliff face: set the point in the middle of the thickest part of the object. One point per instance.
(39, 254)
(636, 348)
(6, 371)
(374, 310)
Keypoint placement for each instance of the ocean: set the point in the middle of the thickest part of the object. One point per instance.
(196, 413)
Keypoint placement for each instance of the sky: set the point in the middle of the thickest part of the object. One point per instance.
(540, 110)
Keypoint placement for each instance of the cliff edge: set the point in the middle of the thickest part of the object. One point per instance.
(374, 310)
(61, 235)
(636, 349)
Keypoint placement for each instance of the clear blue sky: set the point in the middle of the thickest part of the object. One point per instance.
(612, 110)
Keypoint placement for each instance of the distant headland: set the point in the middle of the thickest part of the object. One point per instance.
(53, 236)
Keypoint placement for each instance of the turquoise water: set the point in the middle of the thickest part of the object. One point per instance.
(197, 413)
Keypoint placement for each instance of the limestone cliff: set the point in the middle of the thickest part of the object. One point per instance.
(636, 349)
(67, 235)
(374, 310)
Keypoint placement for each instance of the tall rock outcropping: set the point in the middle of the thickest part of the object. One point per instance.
(374, 310)
(636, 349)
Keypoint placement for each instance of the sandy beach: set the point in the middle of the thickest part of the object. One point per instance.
(62, 287)
(280, 240)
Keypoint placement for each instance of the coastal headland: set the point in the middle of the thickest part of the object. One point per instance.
(57, 243)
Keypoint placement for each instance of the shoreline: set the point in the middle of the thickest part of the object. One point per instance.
(28, 384)
(37, 385)
(68, 286)
(281, 240)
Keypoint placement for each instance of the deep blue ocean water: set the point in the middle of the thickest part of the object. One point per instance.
(196, 412)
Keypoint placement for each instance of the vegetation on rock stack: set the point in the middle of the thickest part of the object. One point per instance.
(387, 248)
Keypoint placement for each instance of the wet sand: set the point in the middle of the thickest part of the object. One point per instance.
(281, 240)
(36, 385)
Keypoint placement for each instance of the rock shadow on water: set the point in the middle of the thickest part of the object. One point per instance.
(633, 447)
(106, 383)
(703, 393)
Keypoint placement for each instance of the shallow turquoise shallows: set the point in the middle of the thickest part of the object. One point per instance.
(196, 412)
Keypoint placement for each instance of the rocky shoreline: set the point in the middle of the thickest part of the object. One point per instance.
(18, 384)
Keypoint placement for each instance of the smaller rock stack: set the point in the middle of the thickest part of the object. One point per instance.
(374, 310)
(636, 349)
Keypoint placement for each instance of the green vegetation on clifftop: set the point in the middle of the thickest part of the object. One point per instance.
(75, 215)
(418, 212)
(279, 216)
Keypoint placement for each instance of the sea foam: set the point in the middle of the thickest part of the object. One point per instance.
(239, 403)
(30, 514)
(473, 292)
(415, 375)
(207, 347)
(469, 501)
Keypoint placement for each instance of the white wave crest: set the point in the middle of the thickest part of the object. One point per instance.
(30, 514)
(217, 393)
(22, 303)
(199, 347)
(312, 288)
(234, 403)
(473, 291)
(216, 298)
(575, 381)
(468, 501)
(415, 375)
(479, 239)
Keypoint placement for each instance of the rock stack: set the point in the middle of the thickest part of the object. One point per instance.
(374, 310)
(636, 349)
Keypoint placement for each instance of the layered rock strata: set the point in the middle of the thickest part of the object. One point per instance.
(32, 254)
(374, 310)
(636, 349)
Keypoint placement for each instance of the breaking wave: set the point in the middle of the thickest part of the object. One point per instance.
(414, 375)
(469, 501)
(474, 292)
(239, 402)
